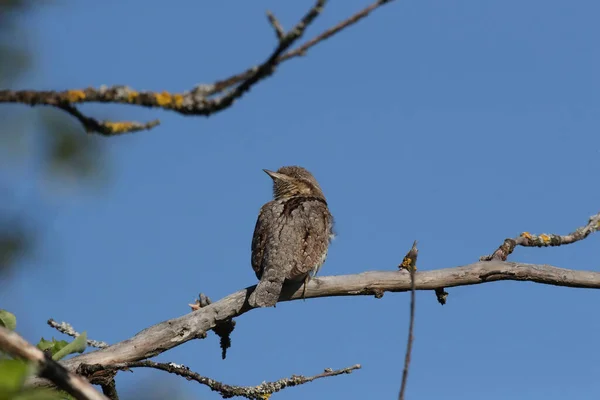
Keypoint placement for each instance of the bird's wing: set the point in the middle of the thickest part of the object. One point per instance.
(259, 240)
(313, 236)
(258, 244)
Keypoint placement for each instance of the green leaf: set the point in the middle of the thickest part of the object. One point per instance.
(8, 320)
(76, 346)
(42, 394)
(12, 376)
(53, 345)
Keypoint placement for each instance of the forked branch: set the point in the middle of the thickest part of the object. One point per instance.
(203, 99)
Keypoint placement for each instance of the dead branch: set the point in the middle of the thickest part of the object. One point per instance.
(15, 345)
(227, 391)
(203, 99)
(67, 329)
(174, 332)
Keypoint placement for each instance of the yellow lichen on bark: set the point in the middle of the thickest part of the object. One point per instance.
(73, 96)
(118, 127)
(526, 235)
(178, 100)
(545, 238)
(407, 264)
(131, 96)
(166, 99)
(163, 99)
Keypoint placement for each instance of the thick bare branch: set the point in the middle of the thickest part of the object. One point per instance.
(168, 334)
(15, 345)
(202, 100)
(227, 391)
(526, 239)
(67, 329)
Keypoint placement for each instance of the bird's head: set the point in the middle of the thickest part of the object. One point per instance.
(294, 181)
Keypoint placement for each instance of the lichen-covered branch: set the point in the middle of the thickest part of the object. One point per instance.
(261, 391)
(105, 128)
(46, 367)
(526, 239)
(67, 329)
(202, 100)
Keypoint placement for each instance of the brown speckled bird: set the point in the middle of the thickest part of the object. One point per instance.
(291, 236)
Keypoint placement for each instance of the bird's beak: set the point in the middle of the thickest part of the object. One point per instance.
(275, 175)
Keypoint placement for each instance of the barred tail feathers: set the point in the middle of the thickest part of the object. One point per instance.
(268, 289)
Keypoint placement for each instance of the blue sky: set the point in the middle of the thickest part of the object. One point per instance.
(456, 123)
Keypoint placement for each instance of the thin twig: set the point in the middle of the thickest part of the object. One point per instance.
(526, 239)
(219, 86)
(15, 345)
(227, 391)
(279, 31)
(107, 128)
(410, 263)
(67, 329)
(268, 67)
(410, 337)
(300, 51)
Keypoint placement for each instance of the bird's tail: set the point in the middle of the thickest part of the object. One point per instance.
(268, 289)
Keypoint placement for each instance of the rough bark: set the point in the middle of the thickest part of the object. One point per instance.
(168, 334)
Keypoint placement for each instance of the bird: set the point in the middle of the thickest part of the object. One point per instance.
(291, 236)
